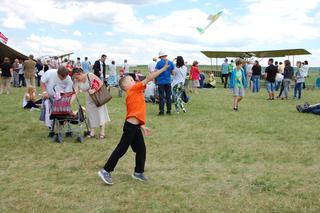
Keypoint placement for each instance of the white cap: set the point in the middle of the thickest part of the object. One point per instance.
(162, 53)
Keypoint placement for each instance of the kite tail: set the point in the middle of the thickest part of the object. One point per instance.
(200, 30)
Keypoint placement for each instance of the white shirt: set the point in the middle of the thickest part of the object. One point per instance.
(305, 70)
(21, 71)
(179, 75)
(54, 84)
(152, 66)
(249, 70)
(101, 68)
(149, 90)
(112, 69)
(126, 68)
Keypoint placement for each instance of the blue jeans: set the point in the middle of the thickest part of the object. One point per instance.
(315, 109)
(297, 89)
(271, 86)
(256, 83)
(164, 96)
(278, 84)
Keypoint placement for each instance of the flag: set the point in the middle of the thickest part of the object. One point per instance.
(3, 39)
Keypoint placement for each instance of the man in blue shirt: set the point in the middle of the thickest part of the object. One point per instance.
(164, 83)
(86, 65)
(225, 73)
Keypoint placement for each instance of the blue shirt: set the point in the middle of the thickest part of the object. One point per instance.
(225, 68)
(86, 66)
(165, 77)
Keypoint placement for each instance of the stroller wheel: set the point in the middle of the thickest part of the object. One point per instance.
(58, 138)
(69, 134)
(80, 139)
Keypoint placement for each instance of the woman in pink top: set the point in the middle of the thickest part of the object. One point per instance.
(195, 76)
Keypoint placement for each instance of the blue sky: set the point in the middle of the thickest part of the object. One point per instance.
(138, 29)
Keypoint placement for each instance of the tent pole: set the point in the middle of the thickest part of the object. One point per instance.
(292, 61)
(216, 64)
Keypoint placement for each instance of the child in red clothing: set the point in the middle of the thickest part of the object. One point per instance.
(133, 127)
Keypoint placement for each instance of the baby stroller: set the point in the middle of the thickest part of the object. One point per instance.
(63, 118)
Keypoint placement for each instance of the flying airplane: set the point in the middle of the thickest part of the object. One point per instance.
(212, 19)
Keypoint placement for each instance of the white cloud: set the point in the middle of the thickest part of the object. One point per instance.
(108, 33)
(13, 21)
(77, 33)
(46, 45)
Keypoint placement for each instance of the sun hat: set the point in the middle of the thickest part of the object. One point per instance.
(162, 53)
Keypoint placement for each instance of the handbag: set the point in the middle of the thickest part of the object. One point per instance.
(101, 96)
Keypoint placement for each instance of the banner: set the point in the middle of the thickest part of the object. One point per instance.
(3, 39)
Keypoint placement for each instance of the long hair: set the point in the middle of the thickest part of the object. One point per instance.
(180, 62)
(30, 92)
(195, 63)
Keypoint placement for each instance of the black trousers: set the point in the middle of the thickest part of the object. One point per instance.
(164, 95)
(132, 136)
(224, 78)
(33, 104)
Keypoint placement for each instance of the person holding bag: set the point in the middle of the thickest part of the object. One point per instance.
(98, 116)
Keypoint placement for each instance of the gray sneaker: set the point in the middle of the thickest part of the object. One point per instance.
(139, 176)
(105, 176)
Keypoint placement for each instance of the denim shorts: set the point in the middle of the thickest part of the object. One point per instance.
(271, 86)
(238, 92)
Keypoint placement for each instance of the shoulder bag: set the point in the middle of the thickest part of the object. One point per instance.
(100, 97)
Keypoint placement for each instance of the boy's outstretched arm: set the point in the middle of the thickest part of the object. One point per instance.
(155, 74)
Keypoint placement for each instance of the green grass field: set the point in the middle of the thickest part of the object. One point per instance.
(264, 158)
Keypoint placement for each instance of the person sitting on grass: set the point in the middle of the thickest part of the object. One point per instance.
(133, 127)
(307, 108)
(211, 82)
(29, 99)
(237, 83)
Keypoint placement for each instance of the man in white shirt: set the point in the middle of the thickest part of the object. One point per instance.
(52, 82)
(126, 67)
(152, 65)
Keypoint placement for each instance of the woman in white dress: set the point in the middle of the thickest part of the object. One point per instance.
(97, 116)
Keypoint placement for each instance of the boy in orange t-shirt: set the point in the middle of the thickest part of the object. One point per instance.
(135, 122)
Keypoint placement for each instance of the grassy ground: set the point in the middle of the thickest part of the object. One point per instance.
(264, 158)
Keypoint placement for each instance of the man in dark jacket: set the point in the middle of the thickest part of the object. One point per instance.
(99, 67)
(271, 72)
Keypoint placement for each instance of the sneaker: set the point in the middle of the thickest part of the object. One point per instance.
(139, 176)
(177, 111)
(235, 109)
(184, 110)
(168, 112)
(105, 176)
(160, 114)
(306, 105)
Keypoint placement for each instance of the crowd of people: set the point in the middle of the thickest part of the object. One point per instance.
(166, 78)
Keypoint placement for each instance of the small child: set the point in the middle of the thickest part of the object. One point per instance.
(238, 82)
(133, 127)
(29, 99)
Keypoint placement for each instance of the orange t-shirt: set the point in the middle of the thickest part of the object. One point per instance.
(136, 105)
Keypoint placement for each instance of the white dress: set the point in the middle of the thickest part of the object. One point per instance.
(97, 116)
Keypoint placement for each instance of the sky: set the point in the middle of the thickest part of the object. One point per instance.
(137, 30)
